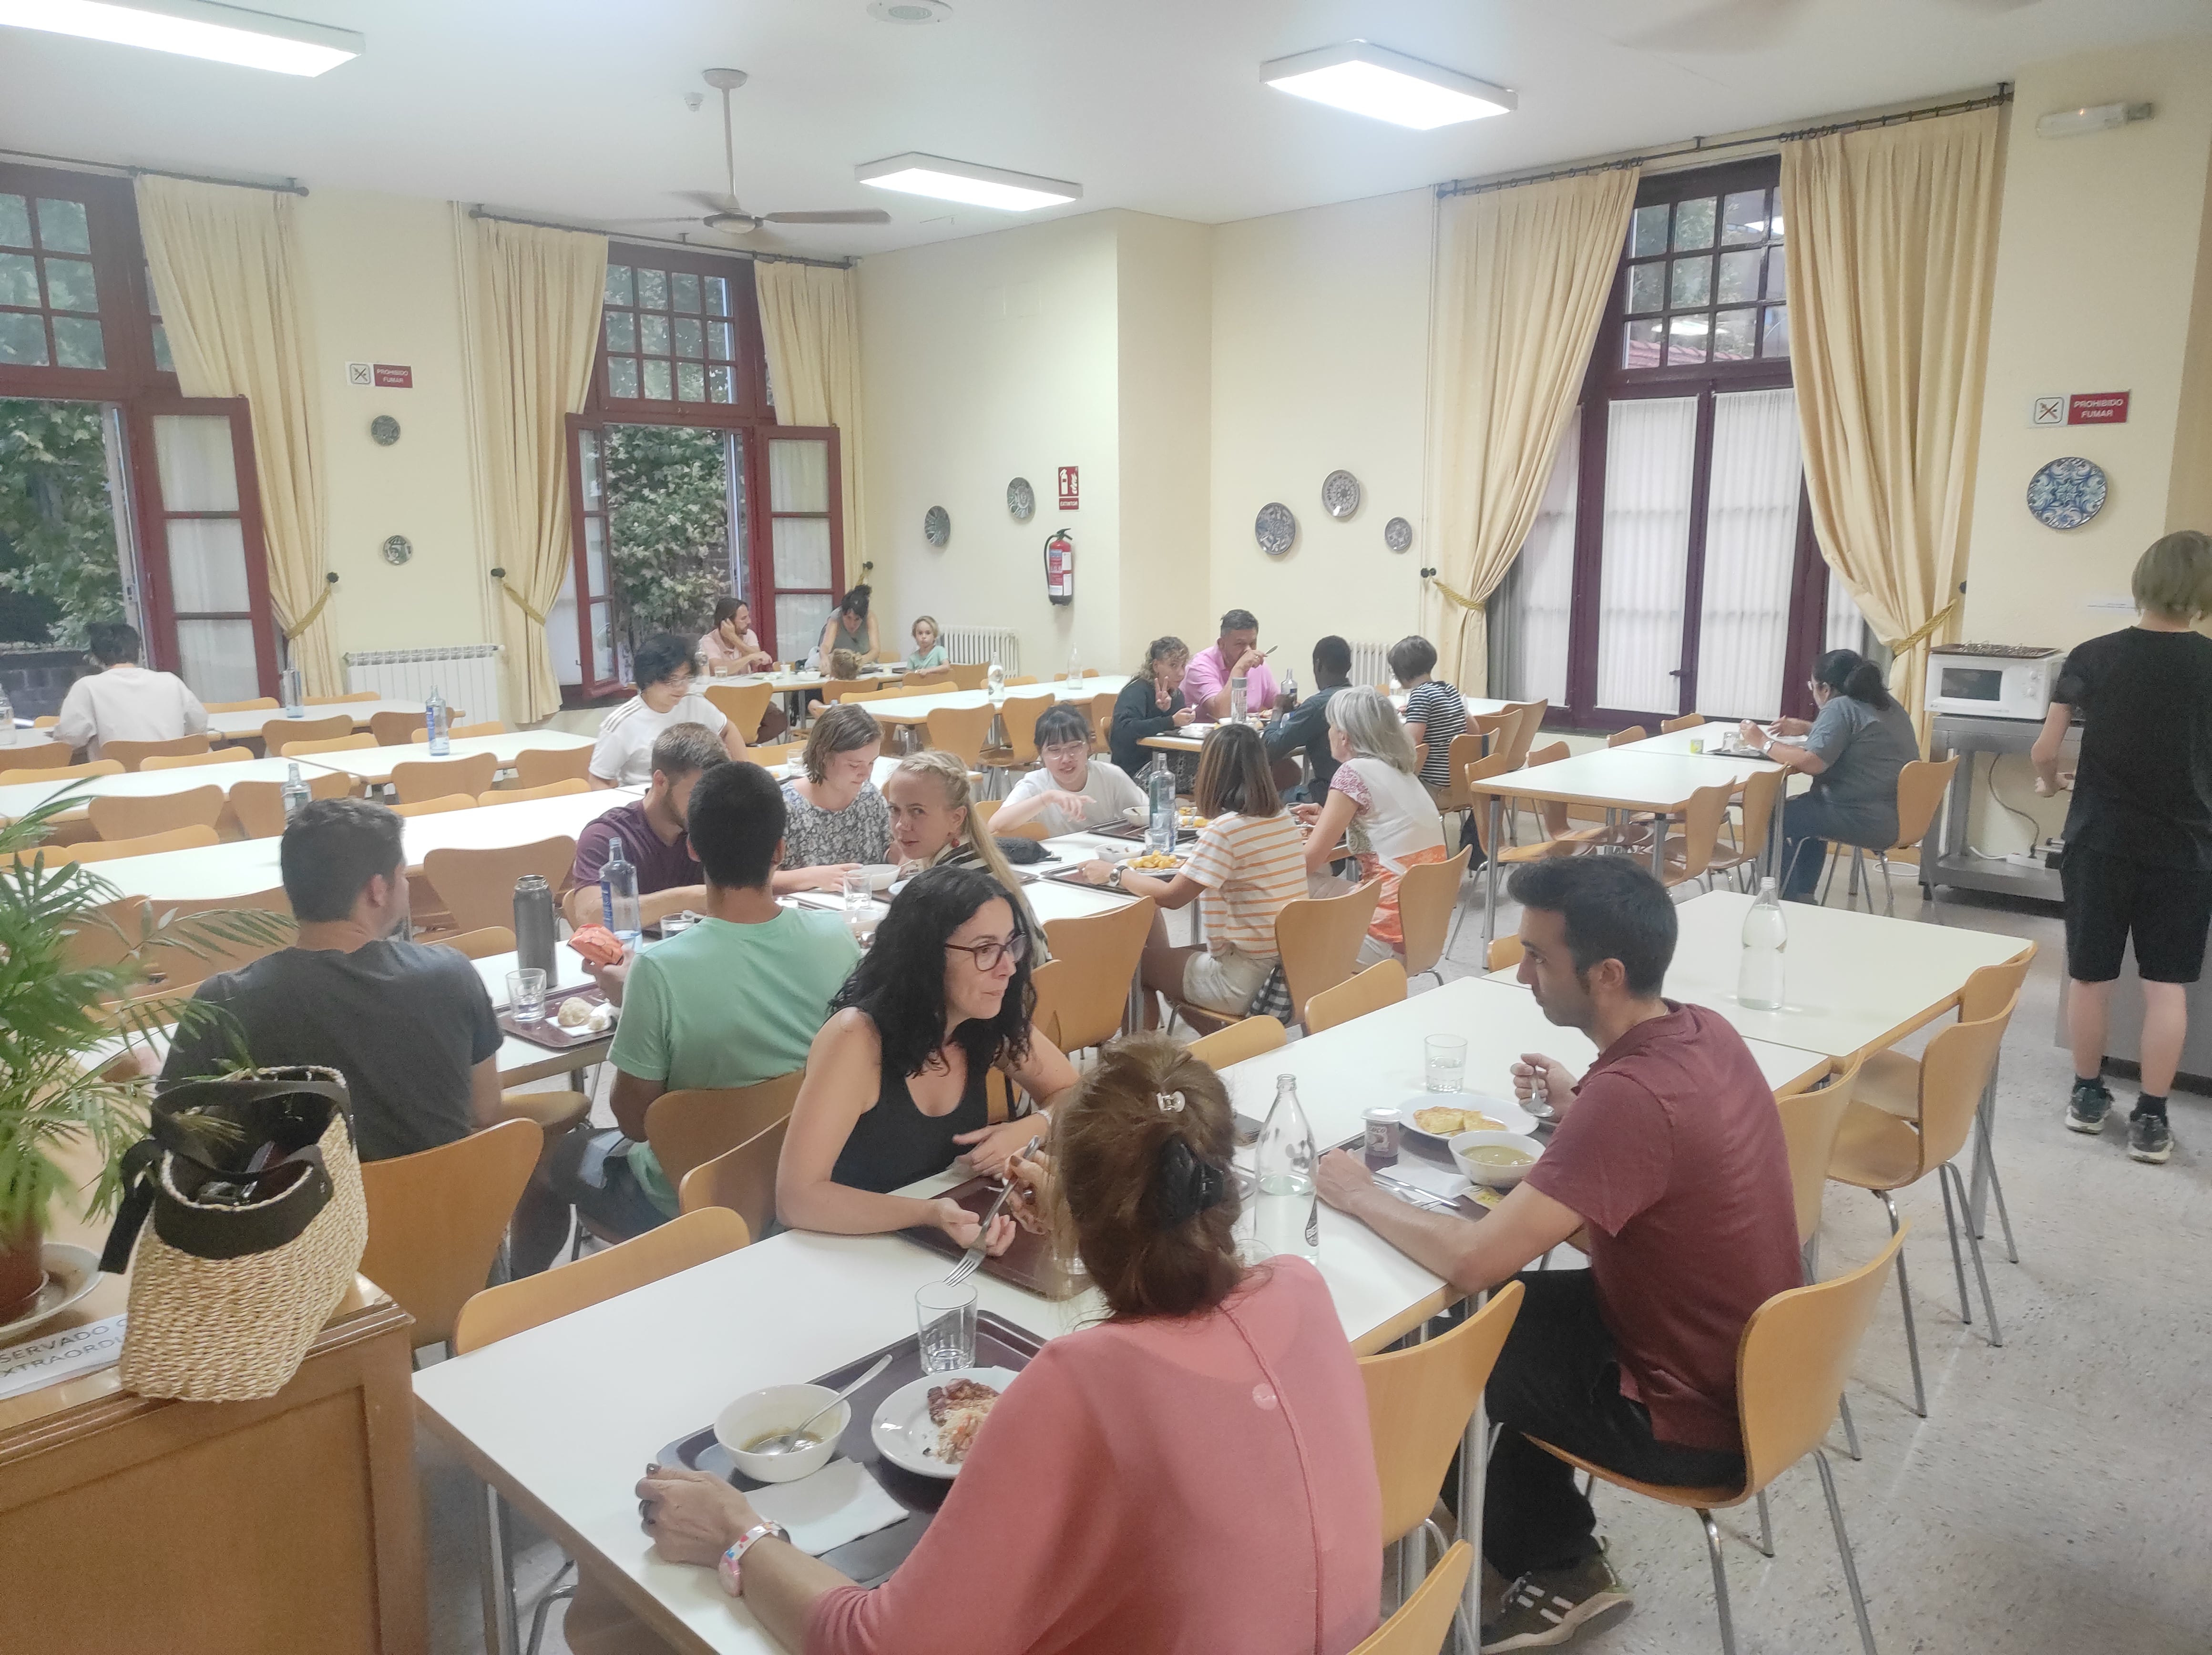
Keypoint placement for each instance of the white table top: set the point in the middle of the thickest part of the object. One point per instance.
(914, 709)
(784, 683)
(250, 722)
(374, 764)
(1478, 706)
(1634, 778)
(21, 796)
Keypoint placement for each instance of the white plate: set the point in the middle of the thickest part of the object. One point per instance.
(903, 1433)
(1509, 1117)
(71, 1272)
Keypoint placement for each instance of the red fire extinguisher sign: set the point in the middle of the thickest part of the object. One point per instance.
(1060, 567)
(1071, 489)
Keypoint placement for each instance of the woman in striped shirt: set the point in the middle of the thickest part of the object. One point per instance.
(1435, 711)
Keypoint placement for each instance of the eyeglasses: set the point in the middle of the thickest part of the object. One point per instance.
(1067, 749)
(987, 955)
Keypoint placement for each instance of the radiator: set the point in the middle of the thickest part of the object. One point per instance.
(975, 644)
(468, 674)
(1370, 663)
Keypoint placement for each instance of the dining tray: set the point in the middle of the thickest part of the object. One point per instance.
(1028, 1264)
(547, 1033)
(871, 1559)
(1133, 831)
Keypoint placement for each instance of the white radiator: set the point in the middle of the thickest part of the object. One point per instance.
(1370, 663)
(468, 674)
(977, 644)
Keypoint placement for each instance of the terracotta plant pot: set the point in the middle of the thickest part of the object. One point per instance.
(21, 1273)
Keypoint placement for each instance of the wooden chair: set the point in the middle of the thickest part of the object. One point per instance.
(1529, 716)
(551, 790)
(436, 1221)
(258, 704)
(1876, 1151)
(1428, 896)
(540, 766)
(743, 1179)
(962, 731)
(686, 1128)
(1382, 984)
(969, 674)
(39, 755)
(181, 839)
(415, 780)
(1687, 721)
(478, 885)
(1920, 789)
(783, 753)
(1635, 732)
(489, 727)
(1759, 793)
(512, 1308)
(120, 816)
(1689, 854)
(340, 701)
(1561, 840)
(393, 729)
(1018, 680)
(930, 678)
(1319, 940)
(278, 734)
(1424, 1620)
(335, 745)
(1809, 1124)
(1504, 951)
(1050, 982)
(481, 944)
(260, 805)
(1253, 1038)
(986, 811)
(1465, 749)
(173, 968)
(189, 760)
(1101, 723)
(131, 755)
(1101, 952)
(1020, 714)
(742, 704)
(834, 690)
(437, 807)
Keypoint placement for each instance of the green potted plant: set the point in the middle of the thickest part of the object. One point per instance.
(73, 1001)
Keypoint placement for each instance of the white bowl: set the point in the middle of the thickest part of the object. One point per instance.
(1498, 1177)
(760, 1413)
(880, 874)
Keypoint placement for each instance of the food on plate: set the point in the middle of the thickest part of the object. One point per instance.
(597, 944)
(1498, 1155)
(602, 1019)
(1483, 1197)
(1442, 1121)
(1153, 860)
(574, 1013)
(958, 1410)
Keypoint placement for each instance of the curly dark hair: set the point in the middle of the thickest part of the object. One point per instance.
(900, 981)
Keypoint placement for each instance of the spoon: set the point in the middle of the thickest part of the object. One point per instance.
(789, 1440)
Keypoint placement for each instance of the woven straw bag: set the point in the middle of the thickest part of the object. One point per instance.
(226, 1295)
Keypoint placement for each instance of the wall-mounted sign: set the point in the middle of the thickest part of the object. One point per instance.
(361, 373)
(2080, 408)
(2047, 410)
(389, 378)
(1071, 489)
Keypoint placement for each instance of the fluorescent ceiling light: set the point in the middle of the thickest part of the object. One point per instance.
(193, 28)
(2072, 122)
(1369, 80)
(962, 181)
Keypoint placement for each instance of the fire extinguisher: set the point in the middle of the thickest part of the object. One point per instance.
(1060, 567)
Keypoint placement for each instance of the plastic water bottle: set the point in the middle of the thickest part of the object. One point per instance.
(1290, 686)
(618, 896)
(436, 721)
(1074, 667)
(294, 687)
(295, 792)
(1236, 700)
(1160, 794)
(1288, 1219)
(7, 721)
(1759, 981)
(994, 681)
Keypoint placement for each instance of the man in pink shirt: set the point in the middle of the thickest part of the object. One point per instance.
(1236, 655)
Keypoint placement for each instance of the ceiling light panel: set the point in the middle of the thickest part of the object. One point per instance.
(1387, 86)
(963, 181)
(190, 28)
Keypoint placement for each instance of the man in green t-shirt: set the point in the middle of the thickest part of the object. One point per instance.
(734, 1000)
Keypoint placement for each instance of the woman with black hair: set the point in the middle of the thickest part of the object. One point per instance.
(850, 626)
(1853, 751)
(661, 666)
(895, 1082)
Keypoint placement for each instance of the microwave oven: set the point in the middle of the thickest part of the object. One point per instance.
(1992, 680)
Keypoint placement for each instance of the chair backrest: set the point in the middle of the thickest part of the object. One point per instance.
(1810, 1122)
(120, 816)
(1554, 813)
(1319, 940)
(1496, 764)
(1504, 951)
(1424, 1620)
(260, 805)
(840, 689)
(1254, 1036)
(1427, 893)
(1418, 1402)
(336, 744)
(187, 761)
(1052, 982)
(743, 1179)
(1687, 721)
(1759, 793)
(41, 755)
(256, 705)
(175, 967)
(1464, 751)
(478, 885)
(1101, 722)
(742, 704)
(1920, 788)
(962, 731)
(105, 936)
(1989, 990)
(395, 728)
(1532, 719)
(1701, 829)
(1101, 951)
(415, 780)
(335, 700)
(540, 766)
(1020, 714)
(782, 753)
(1382, 984)
(1018, 680)
(437, 1219)
(515, 1307)
(489, 727)
(1635, 732)
(932, 676)
(685, 1128)
(481, 944)
(1954, 1071)
(131, 755)
(437, 806)
(1795, 1353)
(551, 790)
(178, 838)
(279, 734)
(969, 674)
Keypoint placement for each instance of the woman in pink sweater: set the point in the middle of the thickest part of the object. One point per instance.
(1191, 1475)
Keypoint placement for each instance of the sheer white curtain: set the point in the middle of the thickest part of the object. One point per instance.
(1751, 553)
(1846, 626)
(1650, 449)
(1530, 657)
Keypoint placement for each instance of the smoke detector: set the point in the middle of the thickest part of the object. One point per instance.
(909, 11)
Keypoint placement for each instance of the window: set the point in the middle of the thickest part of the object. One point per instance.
(1704, 282)
(49, 294)
(681, 329)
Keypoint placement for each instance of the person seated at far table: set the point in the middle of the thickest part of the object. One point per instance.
(124, 701)
(928, 646)
(1435, 710)
(850, 626)
(1150, 704)
(894, 1089)
(1377, 804)
(651, 829)
(1669, 1154)
(1074, 791)
(934, 825)
(1194, 1473)
(730, 644)
(665, 696)
(1236, 654)
(1305, 724)
(731, 1000)
(838, 821)
(844, 668)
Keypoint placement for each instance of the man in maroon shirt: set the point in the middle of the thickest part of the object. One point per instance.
(1669, 1154)
(651, 829)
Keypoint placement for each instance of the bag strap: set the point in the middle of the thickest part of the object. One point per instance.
(219, 1232)
(139, 1161)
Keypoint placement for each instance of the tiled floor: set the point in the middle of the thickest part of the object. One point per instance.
(2056, 1498)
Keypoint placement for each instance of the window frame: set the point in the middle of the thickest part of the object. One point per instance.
(750, 401)
(118, 272)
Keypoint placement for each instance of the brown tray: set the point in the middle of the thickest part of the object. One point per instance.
(871, 1559)
(1129, 830)
(1028, 1264)
(549, 1033)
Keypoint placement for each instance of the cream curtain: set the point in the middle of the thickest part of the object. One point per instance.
(226, 269)
(811, 324)
(1893, 235)
(1522, 278)
(530, 329)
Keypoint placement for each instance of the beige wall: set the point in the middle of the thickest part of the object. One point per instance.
(1166, 301)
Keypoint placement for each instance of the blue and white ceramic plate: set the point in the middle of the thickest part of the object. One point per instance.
(1275, 529)
(2066, 493)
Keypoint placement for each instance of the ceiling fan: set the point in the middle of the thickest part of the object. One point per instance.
(725, 216)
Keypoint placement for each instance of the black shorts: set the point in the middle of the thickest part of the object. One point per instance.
(2109, 898)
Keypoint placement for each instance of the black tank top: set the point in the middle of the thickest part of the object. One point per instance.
(894, 1143)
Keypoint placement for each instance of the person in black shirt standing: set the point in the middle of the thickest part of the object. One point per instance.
(2138, 859)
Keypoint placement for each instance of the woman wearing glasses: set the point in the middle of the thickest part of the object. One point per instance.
(895, 1082)
(1074, 791)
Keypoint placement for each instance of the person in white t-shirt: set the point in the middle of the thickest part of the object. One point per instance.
(1073, 792)
(662, 669)
(122, 701)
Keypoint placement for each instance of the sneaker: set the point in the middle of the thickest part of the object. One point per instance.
(2149, 1137)
(2086, 1109)
(1547, 1607)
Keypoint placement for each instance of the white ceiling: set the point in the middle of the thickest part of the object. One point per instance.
(572, 109)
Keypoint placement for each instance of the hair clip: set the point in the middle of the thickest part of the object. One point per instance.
(1169, 1100)
(1184, 1185)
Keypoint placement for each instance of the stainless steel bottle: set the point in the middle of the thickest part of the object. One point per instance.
(534, 925)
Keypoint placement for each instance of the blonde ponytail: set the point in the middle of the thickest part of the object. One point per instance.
(951, 776)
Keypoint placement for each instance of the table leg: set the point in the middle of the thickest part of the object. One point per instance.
(1473, 1472)
(1489, 881)
(1774, 830)
(496, 1565)
(1659, 824)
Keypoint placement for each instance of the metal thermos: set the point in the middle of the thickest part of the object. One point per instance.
(534, 925)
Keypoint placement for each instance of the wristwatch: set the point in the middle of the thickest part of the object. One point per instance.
(1114, 878)
(728, 1568)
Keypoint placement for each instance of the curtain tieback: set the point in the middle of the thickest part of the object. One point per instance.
(1458, 598)
(521, 603)
(1922, 633)
(310, 617)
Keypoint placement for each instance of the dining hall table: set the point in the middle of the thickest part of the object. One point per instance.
(235, 726)
(911, 710)
(18, 798)
(373, 766)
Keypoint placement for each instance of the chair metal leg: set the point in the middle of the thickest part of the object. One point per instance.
(1904, 1293)
(553, 1593)
(1888, 892)
(1766, 1528)
(496, 1579)
(1997, 1183)
(1981, 1273)
(1720, 1582)
(1951, 1229)
(1843, 1551)
(1850, 1430)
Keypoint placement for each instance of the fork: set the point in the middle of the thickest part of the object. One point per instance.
(972, 1260)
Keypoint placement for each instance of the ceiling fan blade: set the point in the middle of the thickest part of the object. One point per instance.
(852, 215)
(622, 221)
(1724, 27)
(711, 201)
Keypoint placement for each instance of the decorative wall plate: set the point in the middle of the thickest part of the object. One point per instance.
(397, 550)
(1397, 534)
(384, 430)
(2066, 493)
(937, 525)
(1021, 500)
(1340, 493)
(1276, 528)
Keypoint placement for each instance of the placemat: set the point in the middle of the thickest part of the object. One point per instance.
(549, 1033)
(1028, 1264)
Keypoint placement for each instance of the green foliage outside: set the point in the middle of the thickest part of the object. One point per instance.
(668, 509)
(57, 568)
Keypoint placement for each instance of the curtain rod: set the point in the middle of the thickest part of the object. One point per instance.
(666, 241)
(1714, 146)
(114, 169)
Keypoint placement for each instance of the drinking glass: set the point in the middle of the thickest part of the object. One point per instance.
(860, 903)
(945, 1316)
(526, 994)
(1446, 1062)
